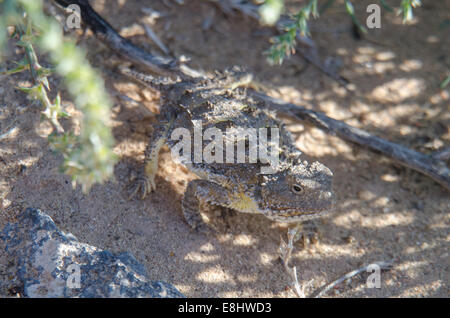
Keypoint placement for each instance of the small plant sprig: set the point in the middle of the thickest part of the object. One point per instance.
(351, 12)
(39, 75)
(88, 157)
(445, 82)
(284, 45)
(406, 8)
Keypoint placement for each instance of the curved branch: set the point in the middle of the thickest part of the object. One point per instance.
(428, 165)
(106, 34)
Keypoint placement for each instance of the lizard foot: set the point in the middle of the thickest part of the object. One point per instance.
(308, 233)
(141, 186)
(193, 217)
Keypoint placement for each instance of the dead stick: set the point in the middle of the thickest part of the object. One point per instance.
(106, 34)
(382, 265)
(430, 166)
(443, 154)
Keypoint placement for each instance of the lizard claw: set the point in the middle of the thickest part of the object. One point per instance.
(142, 185)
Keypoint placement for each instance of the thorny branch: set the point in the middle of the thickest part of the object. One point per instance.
(431, 166)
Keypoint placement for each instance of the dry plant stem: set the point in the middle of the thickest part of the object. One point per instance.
(152, 35)
(314, 60)
(443, 154)
(107, 35)
(427, 165)
(383, 266)
(104, 32)
(9, 131)
(286, 252)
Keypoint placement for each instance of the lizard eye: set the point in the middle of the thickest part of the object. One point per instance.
(297, 189)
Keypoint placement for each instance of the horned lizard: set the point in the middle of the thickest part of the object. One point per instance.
(293, 191)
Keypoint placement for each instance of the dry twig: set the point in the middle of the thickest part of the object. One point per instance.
(428, 165)
(382, 265)
(285, 253)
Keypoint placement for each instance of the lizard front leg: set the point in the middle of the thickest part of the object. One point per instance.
(145, 181)
(198, 194)
(307, 233)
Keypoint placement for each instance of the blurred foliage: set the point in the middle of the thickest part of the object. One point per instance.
(270, 11)
(284, 44)
(445, 82)
(88, 157)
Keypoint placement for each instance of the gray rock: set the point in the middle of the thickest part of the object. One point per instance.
(51, 263)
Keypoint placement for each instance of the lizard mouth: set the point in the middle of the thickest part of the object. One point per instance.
(291, 215)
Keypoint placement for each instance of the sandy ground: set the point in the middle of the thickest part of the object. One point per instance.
(384, 211)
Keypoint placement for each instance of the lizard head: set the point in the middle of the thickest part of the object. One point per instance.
(297, 192)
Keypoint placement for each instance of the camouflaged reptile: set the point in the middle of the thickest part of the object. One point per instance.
(295, 191)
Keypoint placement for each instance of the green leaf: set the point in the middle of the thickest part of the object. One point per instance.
(445, 82)
(386, 6)
(18, 69)
(349, 8)
(315, 12)
(406, 8)
(351, 12)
